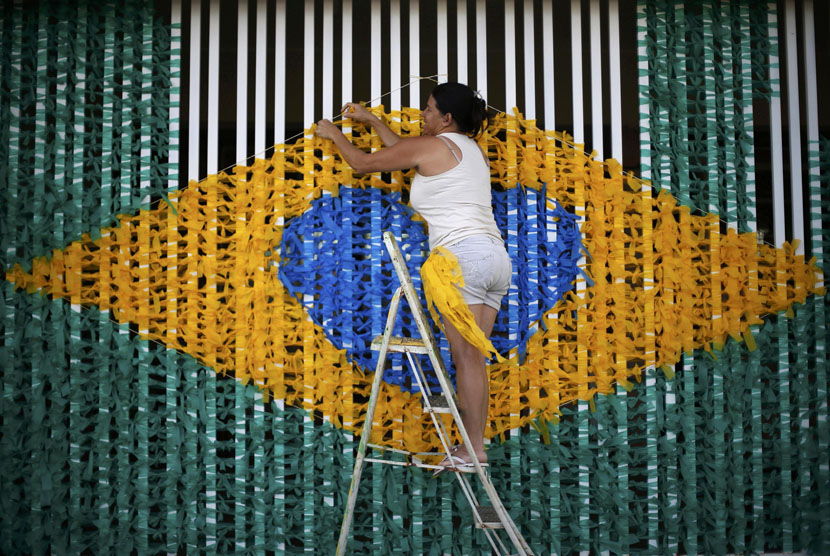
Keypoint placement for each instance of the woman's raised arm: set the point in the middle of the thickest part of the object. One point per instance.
(404, 154)
(359, 113)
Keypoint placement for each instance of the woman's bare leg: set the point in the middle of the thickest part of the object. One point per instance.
(471, 378)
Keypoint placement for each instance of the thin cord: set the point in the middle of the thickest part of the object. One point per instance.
(413, 79)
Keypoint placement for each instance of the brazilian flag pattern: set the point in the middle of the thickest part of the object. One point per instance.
(117, 439)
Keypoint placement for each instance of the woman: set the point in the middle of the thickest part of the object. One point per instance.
(451, 190)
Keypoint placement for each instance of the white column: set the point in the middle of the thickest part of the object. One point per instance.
(375, 57)
(461, 40)
(346, 58)
(280, 54)
(394, 102)
(547, 62)
(481, 47)
(414, 54)
(510, 100)
(328, 61)
(213, 90)
(530, 61)
(242, 81)
(777, 147)
(596, 82)
(309, 86)
(576, 70)
(794, 120)
(175, 97)
(441, 31)
(614, 79)
(259, 86)
(194, 107)
(811, 98)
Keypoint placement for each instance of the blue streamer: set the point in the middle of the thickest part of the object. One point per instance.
(348, 282)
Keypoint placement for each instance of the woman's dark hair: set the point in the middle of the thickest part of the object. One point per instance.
(468, 109)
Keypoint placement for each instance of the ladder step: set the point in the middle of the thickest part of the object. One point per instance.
(439, 403)
(489, 518)
(401, 345)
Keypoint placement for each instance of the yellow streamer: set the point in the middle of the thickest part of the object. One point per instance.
(441, 276)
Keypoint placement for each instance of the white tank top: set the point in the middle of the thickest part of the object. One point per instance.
(457, 204)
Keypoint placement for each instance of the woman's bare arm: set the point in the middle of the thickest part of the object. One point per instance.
(404, 154)
(359, 113)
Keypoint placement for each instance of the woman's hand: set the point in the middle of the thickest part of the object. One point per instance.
(358, 113)
(326, 129)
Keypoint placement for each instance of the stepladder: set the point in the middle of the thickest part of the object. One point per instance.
(490, 515)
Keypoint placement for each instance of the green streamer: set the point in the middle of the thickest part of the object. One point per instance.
(756, 461)
(736, 408)
(623, 459)
(784, 377)
(603, 479)
(669, 464)
(819, 192)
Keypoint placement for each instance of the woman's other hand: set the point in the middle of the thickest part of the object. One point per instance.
(326, 129)
(357, 112)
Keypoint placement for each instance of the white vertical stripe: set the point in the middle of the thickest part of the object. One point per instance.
(576, 61)
(746, 70)
(576, 70)
(279, 71)
(328, 60)
(811, 98)
(547, 63)
(375, 86)
(811, 87)
(510, 100)
(642, 68)
(242, 81)
(394, 101)
(530, 61)
(779, 214)
(414, 53)
(461, 41)
(213, 90)
(441, 31)
(309, 87)
(794, 121)
(346, 59)
(596, 81)
(614, 79)
(194, 107)
(175, 96)
(146, 99)
(259, 87)
(481, 47)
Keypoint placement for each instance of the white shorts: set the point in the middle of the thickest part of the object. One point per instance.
(486, 268)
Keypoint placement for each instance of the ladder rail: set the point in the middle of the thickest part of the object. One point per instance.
(436, 420)
(367, 425)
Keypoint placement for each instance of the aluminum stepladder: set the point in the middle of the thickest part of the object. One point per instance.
(489, 518)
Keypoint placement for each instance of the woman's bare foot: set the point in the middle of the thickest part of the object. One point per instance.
(459, 457)
(460, 451)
